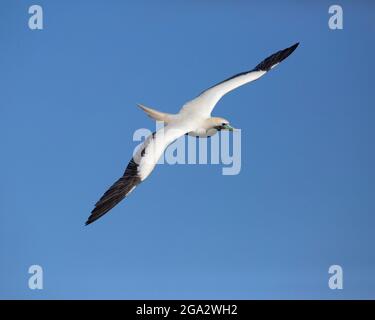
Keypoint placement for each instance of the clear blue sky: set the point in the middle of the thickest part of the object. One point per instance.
(303, 201)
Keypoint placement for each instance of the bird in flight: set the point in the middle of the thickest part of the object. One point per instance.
(194, 119)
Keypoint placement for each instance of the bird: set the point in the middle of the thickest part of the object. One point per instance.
(194, 118)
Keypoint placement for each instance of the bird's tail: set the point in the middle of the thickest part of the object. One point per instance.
(157, 115)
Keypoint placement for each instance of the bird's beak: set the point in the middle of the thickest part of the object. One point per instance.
(227, 127)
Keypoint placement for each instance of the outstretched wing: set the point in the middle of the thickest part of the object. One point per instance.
(138, 169)
(206, 101)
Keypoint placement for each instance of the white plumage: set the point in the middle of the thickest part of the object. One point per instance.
(194, 118)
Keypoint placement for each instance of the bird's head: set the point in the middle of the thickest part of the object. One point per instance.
(221, 124)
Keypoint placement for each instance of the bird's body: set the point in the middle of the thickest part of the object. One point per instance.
(194, 119)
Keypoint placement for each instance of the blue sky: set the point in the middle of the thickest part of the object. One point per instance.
(302, 202)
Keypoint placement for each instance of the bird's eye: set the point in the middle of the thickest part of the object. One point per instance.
(223, 124)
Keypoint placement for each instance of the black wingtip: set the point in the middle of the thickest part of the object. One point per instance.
(118, 191)
(96, 213)
(293, 47)
(276, 58)
(90, 220)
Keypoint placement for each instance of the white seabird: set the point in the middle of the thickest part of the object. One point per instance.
(194, 118)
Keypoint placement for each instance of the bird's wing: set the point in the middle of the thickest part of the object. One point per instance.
(206, 101)
(138, 169)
